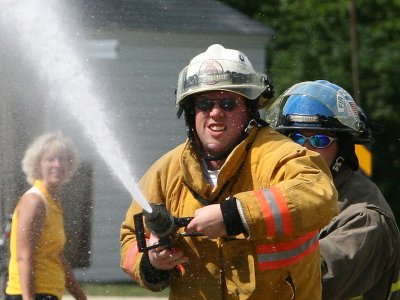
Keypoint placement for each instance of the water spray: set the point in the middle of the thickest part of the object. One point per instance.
(39, 30)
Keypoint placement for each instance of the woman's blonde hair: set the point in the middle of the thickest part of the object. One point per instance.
(38, 148)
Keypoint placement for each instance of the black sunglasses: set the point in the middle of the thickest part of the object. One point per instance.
(319, 140)
(208, 104)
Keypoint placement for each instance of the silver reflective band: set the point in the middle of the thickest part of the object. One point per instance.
(233, 77)
(303, 119)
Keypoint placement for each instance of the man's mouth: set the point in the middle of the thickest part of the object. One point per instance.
(217, 128)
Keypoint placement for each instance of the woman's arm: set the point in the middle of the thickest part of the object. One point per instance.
(31, 216)
(71, 283)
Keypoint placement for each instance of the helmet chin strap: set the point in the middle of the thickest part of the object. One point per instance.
(338, 164)
(223, 155)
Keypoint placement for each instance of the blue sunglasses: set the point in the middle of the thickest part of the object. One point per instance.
(319, 140)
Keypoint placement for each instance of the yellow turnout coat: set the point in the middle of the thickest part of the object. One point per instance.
(286, 195)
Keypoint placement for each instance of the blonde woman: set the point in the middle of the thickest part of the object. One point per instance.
(37, 269)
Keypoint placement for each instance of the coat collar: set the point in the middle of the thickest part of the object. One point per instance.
(194, 175)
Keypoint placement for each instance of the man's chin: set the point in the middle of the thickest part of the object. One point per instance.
(214, 151)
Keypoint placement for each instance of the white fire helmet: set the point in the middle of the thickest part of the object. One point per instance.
(223, 69)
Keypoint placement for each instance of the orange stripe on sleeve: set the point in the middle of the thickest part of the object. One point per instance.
(130, 257)
(266, 210)
(284, 209)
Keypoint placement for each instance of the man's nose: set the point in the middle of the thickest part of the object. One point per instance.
(216, 110)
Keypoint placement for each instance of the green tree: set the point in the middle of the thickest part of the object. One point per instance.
(312, 41)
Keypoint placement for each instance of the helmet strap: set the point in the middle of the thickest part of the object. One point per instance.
(179, 112)
(269, 91)
(347, 151)
(338, 164)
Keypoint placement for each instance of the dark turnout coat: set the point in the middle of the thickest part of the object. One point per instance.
(360, 248)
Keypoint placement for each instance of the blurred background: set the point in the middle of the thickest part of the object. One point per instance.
(351, 43)
(127, 55)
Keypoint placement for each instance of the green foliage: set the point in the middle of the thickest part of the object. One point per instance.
(312, 41)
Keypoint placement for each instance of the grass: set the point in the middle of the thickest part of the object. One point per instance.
(120, 289)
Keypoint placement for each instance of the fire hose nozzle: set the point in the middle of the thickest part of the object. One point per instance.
(159, 221)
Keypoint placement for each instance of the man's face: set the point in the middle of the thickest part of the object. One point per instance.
(220, 118)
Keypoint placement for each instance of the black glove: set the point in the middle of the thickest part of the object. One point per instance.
(232, 220)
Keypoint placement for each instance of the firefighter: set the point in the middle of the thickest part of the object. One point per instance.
(258, 199)
(360, 247)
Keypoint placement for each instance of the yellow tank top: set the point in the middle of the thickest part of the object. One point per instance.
(49, 275)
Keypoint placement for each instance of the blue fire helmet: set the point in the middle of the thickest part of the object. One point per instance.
(319, 105)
